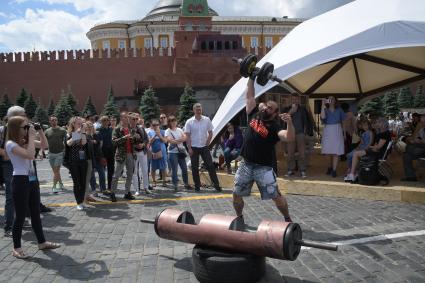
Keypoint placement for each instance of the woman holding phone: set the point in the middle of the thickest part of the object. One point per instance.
(78, 155)
(157, 141)
(332, 117)
(20, 148)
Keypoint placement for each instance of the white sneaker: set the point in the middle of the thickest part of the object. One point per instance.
(80, 207)
(303, 174)
(349, 178)
(137, 193)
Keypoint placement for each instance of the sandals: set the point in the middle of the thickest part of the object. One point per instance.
(48, 246)
(19, 254)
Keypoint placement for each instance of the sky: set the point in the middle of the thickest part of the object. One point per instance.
(43, 25)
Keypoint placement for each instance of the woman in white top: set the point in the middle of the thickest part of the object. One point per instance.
(20, 149)
(176, 152)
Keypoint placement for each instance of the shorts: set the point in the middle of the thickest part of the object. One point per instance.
(55, 159)
(263, 176)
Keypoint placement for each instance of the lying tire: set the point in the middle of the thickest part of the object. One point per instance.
(214, 265)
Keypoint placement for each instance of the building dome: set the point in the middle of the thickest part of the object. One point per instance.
(170, 8)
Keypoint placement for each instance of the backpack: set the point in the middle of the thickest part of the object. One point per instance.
(369, 173)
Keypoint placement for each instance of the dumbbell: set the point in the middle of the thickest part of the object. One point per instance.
(247, 68)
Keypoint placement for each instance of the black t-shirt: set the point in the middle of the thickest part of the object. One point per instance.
(260, 139)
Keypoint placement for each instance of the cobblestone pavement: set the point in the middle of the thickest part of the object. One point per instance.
(107, 243)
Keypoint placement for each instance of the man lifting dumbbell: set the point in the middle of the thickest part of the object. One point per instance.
(260, 138)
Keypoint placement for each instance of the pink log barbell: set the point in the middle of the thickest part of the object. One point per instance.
(275, 239)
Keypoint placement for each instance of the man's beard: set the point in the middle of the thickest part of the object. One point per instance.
(265, 116)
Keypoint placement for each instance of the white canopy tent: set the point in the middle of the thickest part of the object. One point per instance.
(356, 50)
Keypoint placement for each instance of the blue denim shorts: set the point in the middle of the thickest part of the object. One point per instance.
(263, 176)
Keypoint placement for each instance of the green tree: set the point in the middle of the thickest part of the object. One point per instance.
(4, 105)
(51, 107)
(72, 102)
(40, 115)
(89, 108)
(419, 100)
(110, 108)
(373, 107)
(63, 111)
(149, 107)
(22, 97)
(390, 104)
(405, 99)
(30, 106)
(187, 99)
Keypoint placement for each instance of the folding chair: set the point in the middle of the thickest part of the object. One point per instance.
(384, 167)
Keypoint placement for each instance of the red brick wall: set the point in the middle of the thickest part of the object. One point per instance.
(93, 76)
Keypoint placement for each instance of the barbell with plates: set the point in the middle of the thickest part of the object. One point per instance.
(248, 68)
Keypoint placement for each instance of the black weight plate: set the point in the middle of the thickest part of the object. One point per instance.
(293, 233)
(263, 75)
(247, 65)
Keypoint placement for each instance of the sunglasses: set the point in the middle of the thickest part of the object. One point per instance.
(26, 127)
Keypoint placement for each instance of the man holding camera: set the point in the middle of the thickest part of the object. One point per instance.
(56, 136)
(303, 128)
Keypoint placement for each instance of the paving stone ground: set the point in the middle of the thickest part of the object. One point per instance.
(108, 243)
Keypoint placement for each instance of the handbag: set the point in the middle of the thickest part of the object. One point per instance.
(157, 155)
(66, 162)
(181, 154)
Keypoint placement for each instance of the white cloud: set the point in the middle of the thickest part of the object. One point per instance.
(276, 8)
(45, 29)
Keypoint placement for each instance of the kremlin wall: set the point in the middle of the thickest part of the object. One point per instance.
(91, 72)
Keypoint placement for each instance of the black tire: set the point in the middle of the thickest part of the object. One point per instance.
(219, 266)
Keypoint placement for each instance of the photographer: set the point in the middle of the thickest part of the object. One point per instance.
(7, 168)
(333, 139)
(20, 148)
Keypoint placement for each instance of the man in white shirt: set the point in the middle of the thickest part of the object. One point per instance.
(198, 130)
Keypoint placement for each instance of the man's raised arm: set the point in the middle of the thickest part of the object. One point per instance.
(250, 96)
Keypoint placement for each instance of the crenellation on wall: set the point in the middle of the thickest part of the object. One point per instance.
(87, 54)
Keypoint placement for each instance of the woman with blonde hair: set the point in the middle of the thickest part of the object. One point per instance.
(20, 148)
(76, 140)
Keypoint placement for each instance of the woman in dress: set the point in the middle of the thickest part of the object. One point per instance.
(332, 139)
(20, 148)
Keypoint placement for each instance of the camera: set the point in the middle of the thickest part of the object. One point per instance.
(36, 126)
